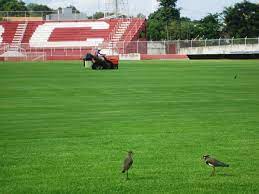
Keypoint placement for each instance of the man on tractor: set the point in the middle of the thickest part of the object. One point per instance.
(99, 54)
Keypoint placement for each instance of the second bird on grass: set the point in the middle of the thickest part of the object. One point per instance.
(127, 163)
(214, 163)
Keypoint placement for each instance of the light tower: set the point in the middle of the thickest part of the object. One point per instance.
(115, 8)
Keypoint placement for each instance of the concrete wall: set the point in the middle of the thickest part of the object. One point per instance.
(225, 49)
(155, 48)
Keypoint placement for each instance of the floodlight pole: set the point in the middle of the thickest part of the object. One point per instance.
(116, 8)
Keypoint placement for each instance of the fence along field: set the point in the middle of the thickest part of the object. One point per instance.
(65, 129)
(183, 47)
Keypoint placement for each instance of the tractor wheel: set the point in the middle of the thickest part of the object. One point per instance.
(94, 66)
(109, 65)
(99, 67)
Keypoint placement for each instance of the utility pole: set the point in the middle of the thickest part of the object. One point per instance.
(116, 8)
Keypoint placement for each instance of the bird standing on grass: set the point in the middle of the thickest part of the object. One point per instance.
(213, 163)
(127, 163)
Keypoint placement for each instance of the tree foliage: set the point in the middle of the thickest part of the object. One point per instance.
(167, 3)
(159, 20)
(182, 29)
(238, 21)
(98, 15)
(210, 26)
(242, 20)
(12, 5)
(38, 9)
(166, 23)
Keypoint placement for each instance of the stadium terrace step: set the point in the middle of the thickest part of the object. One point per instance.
(18, 36)
(118, 34)
(65, 33)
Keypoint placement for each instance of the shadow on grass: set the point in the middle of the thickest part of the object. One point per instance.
(224, 174)
(138, 178)
(145, 178)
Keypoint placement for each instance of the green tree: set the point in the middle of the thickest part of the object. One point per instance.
(13, 5)
(2, 3)
(187, 29)
(167, 11)
(174, 30)
(182, 29)
(210, 26)
(98, 15)
(155, 30)
(158, 22)
(242, 20)
(167, 3)
(38, 9)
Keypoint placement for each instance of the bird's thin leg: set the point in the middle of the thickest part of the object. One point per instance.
(213, 172)
(127, 175)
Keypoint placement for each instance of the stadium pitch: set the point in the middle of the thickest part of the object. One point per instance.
(65, 129)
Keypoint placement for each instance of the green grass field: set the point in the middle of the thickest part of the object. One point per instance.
(65, 129)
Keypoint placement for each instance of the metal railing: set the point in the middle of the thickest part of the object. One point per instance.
(133, 29)
(218, 42)
(41, 15)
(147, 47)
(45, 15)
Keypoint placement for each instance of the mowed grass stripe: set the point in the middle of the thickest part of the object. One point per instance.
(65, 129)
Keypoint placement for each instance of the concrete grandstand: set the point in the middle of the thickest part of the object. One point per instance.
(29, 36)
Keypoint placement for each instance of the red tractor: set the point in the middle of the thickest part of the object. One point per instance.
(104, 62)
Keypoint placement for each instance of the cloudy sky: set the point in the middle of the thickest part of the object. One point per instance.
(194, 9)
